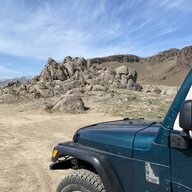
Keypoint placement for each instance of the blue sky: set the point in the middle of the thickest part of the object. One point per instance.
(33, 30)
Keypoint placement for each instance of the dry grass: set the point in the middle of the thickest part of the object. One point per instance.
(132, 104)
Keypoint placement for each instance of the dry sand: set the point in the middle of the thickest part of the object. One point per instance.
(27, 138)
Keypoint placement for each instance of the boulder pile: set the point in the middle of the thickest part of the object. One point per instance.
(74, 76)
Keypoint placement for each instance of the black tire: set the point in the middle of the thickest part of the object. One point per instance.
(81, 181)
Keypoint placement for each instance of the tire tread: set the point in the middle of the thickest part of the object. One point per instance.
(85, 177)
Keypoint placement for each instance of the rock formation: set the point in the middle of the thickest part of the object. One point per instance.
(152, 89)
(162, 56)
(69, 104)
(70, 79)
(116, 58)
(75, 73)
(184, 59)
(53, 71)
(72, 76)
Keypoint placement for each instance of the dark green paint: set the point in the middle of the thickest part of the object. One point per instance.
(116, 137)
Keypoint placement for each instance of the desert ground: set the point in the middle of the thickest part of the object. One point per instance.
(28, 135)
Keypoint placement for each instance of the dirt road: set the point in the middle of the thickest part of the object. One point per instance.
(27, 138)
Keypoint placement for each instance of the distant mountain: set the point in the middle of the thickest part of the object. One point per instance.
(167, 67)
(23, 80)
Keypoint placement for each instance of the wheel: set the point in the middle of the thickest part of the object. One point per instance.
(81, 181)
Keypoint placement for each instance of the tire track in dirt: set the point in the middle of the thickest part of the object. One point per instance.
(32, 167)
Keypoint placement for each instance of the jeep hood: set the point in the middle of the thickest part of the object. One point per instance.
(117, 137)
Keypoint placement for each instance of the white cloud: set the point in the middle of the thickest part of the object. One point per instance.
(86, 28)
(44, 31)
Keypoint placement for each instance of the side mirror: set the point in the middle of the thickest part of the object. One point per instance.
(185, 117)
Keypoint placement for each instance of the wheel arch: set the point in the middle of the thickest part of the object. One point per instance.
(90, 160)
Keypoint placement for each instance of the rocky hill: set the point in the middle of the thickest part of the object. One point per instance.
(162, 68)
(67, 82)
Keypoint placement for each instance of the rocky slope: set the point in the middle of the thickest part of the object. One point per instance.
(184, 58)
(162, 68)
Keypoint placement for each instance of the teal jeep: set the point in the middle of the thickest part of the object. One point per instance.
(132, 155)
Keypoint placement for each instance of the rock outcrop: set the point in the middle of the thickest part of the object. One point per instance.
(72, 76)
(69, 80)
(76, 72)
(117, 58)
(162, 56)
(126, 78)
(184, 59)
(69, 104)
(12, 93)
(53, 71)
(152, 89)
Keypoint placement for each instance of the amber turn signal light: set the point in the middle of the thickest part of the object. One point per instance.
(55, 152)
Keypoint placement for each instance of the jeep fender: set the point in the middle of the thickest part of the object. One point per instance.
(85, 154)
